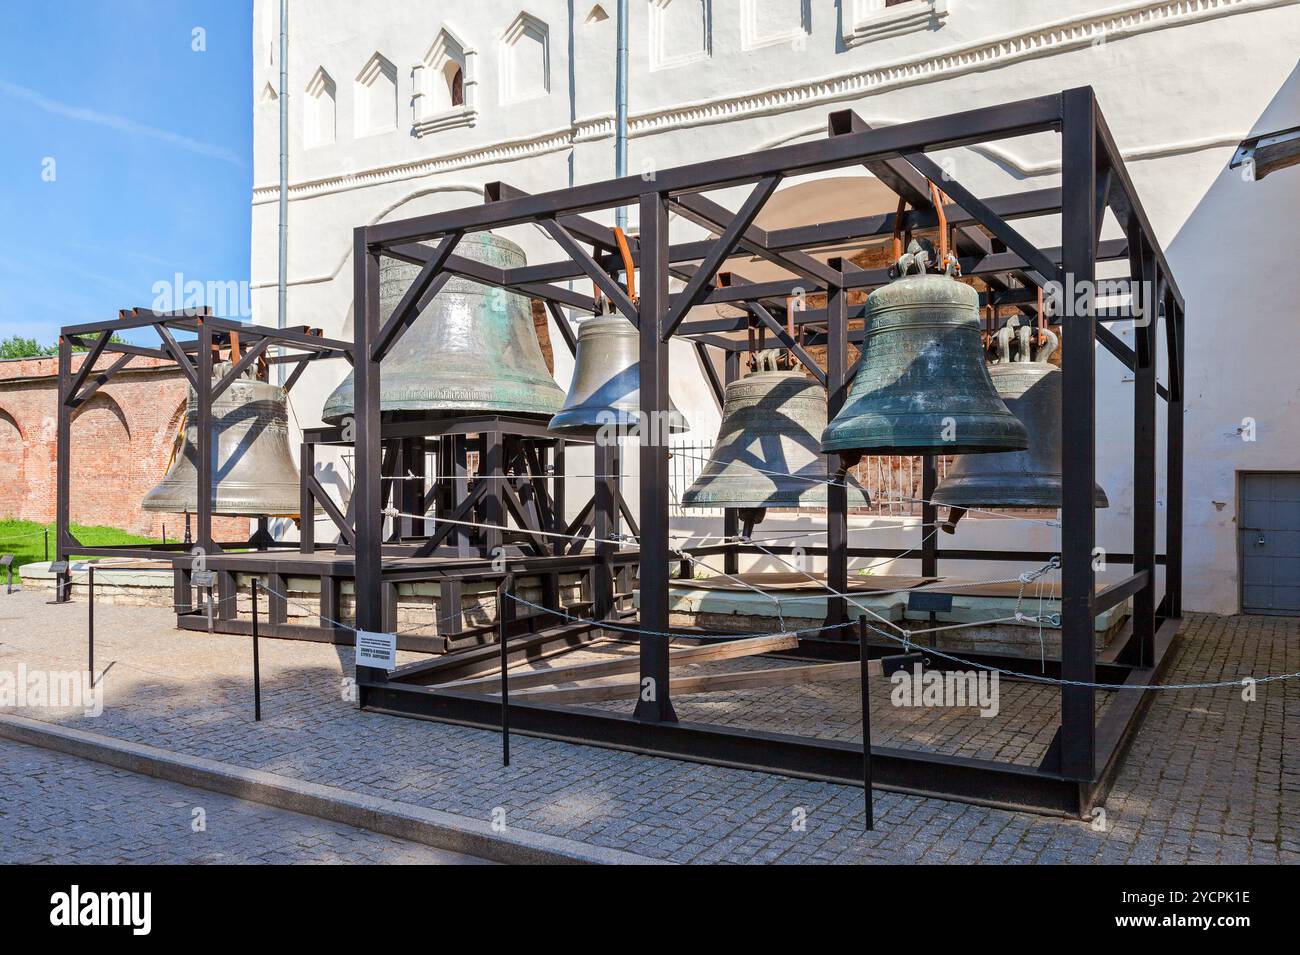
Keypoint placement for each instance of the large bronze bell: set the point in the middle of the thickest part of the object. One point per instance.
(767, 452)
(253, 472)
(606, 387)
(473, 350)
(1031, 388)
(923, 387)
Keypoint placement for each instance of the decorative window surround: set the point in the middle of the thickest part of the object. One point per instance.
(376, 97)
(871, 20)
(515, 86)
(319, 126)
(663, 53)
(755, 34)
(1131, 19)
(430, 114)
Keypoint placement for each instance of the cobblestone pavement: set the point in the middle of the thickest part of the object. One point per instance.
(1207, 780)
(1020, 731)
(59, 808)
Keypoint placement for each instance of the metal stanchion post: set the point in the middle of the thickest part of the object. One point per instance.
(47, 545)
(90, 620)
(504, 603)
(866, 723)
(257, 668)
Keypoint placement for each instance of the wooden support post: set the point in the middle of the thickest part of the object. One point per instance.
(277, 606)
(204, 411)
(63, 464)
(307, 504)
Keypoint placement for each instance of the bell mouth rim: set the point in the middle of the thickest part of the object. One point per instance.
(626, 426)
(409, 414)
(850, 447)
(953, 497)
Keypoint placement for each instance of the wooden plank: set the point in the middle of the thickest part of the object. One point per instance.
(623, 689)
(629, 664)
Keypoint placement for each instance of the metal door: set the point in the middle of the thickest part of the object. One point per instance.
(1269, 543)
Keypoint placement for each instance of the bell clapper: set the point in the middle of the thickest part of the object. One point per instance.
(949, 526)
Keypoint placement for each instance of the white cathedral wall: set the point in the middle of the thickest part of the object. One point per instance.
(1180, 84)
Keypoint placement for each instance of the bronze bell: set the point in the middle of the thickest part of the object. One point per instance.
(473, 350)
(606, 387)
(767, 452)
(1031, 388)
(253, 472)
(922, 386)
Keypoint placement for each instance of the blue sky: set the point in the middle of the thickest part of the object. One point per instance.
(151, 145)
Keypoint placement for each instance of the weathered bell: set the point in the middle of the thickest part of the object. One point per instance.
(1031, 388)
(473, 350)
(606, 387)
(767, 452)
(922, 386)
(253, 472)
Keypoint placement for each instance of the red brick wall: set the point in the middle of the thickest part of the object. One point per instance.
(121, 440)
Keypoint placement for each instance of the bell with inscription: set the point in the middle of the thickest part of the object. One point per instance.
(923, 387)
(472, 350)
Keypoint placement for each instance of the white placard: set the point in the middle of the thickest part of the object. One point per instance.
(376, 649)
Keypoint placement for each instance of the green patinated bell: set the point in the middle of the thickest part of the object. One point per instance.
(767, 452)
(472, 350)
(1031, 388)
(923, 386)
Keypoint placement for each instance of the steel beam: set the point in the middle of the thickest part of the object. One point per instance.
(1078, 435)
(654, 704)
(986, 124)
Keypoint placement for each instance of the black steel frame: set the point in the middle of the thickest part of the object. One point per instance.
(1082, 760)
(194, 359)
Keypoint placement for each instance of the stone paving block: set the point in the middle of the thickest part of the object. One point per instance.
(1208, 775)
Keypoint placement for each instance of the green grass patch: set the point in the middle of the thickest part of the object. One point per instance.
(25, 539)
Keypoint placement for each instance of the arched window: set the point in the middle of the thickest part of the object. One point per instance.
(443, 86)
(456, 84)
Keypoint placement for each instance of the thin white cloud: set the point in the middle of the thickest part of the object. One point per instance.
(120, 123)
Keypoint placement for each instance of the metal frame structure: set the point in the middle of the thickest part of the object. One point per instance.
(1085, 753)
(1079, 764)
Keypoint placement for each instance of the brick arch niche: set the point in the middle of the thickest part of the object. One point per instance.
(104, 476)
(12, 470)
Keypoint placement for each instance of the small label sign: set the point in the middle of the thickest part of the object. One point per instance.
(6, 560)
(376, 649)
(204, 578)
(935, 603)
(59, 567)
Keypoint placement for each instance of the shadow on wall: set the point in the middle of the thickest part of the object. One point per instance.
(1234, 259)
